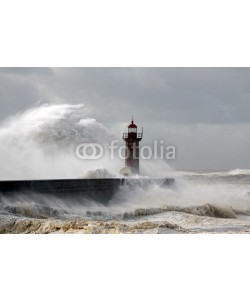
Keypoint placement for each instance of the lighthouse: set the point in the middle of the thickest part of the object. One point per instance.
(132, 139)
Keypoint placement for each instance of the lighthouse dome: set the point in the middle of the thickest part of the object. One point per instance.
(132, 125)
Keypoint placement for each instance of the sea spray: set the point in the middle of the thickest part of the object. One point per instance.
(40, 143)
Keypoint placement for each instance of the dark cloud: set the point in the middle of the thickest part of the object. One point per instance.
(205, 112)
(186, 95)
(22, 88)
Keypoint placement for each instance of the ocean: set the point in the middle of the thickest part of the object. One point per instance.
(198, 203)
(39, 143)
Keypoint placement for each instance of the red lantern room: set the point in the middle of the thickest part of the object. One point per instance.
(132, 139)
(132, 129)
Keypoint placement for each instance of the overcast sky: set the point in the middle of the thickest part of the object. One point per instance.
(204, 112)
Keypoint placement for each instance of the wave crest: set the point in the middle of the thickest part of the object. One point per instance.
(235, 172)
(41, 143)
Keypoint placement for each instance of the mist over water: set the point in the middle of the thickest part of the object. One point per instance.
(40, 143)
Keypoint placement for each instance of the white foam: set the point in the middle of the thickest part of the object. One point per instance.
(41, 142)
(234, 172)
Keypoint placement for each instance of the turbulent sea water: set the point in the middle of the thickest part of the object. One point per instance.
(40, 143)
(206, 203)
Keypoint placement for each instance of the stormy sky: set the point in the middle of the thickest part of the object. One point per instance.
(203, 112)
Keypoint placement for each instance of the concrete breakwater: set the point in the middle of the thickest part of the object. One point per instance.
(101, 190)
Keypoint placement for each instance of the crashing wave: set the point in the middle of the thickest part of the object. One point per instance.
(41, 143)
(207, 210)
(14, 225)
